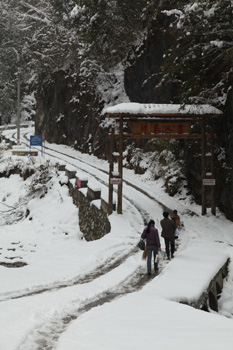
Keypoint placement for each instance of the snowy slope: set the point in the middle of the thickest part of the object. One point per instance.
(43, 303)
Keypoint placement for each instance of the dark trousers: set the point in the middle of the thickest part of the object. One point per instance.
(169, 246)
(151, 249)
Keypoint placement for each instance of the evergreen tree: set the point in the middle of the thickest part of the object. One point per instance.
(201, 60)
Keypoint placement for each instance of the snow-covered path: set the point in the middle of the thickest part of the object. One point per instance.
(55, 259)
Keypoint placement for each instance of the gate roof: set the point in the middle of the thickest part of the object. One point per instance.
(133, 109)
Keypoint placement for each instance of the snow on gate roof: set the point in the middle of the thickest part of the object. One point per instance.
(141, 109)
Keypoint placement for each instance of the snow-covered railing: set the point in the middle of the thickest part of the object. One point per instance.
(86, 194)
(70, 172)
(94, 192)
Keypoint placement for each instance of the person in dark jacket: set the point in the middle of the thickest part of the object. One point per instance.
(151, 235)
(168, 233)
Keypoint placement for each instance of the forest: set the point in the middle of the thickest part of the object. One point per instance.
(73, 58)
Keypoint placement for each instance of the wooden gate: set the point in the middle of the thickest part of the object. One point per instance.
(147, 121)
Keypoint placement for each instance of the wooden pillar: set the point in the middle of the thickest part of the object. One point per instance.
(212, 169)
(203, 162)
(110, 185)
(120, 167)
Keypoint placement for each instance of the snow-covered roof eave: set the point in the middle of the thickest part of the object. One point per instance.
(141, 109)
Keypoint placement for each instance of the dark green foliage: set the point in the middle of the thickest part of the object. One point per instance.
(201, 58)
(39, 38)
(108, 27)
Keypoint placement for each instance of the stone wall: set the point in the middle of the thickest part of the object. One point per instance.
(93, 221)
(209, 298)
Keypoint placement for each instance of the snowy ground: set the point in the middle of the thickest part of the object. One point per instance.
(63, 271)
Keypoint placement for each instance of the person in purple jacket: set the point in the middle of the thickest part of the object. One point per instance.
(151, 235)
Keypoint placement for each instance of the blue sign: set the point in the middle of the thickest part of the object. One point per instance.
(35, 140)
